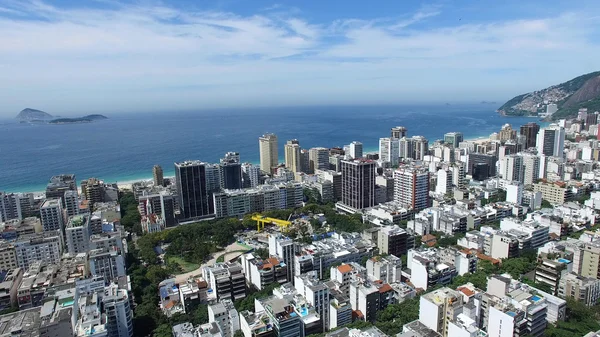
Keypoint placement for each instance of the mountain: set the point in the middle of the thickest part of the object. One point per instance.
(570, 96)
(84, 119)
(33, 115)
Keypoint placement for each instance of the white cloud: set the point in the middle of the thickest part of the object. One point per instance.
(153, 57)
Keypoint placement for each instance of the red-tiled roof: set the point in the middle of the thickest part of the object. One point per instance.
(345, 268)
(385, 288)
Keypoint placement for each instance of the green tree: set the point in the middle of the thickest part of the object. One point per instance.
(546, 204)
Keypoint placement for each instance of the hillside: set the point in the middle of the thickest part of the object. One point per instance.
(33, 115)
(570, 96)
(84, 119)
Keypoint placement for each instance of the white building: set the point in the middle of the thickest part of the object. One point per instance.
(44, 247)
(355, 150)
(551, 141)
(78, 234)
(411, 187)
(444, 181)
(51, 214)
(250, 175)
(318, 158)
(514, 192)
(389, 150)
(225, 316)
(229, 203)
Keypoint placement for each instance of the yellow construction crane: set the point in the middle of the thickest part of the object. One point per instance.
(262, 220)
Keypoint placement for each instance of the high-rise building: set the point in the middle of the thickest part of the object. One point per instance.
(481, 158)
(453, 138)
(355, 150)
(394, 240)
(157, 174)
(551, 141)
(43, 247)
(268, 152)
(304, 161)
(192, 191)
(51, 215)
(444, 181)
(358, 183)
(71, 203)
(318, 159)
(232, 157)
(250, 175)
(229, 203)
(59, 184)
(406, 148)
(292, 155)
(439, 308)
(411, 187)
(591, 119)
(231, 174)
(101, 310)
(398, 132)
(530, 131)
(531, 168)
(77, 233)
(162, 204)
(10, 207)
(389, 150)
(420, 147)
(507, 133)
(511, 168)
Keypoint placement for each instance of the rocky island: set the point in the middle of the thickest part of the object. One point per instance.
(33, 115)
(29, 115)
(84, 119)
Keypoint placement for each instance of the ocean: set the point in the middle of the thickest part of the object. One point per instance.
(125, 147)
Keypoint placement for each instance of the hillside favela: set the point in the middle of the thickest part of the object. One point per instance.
(299, 169)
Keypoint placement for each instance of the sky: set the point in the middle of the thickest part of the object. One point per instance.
(70, 57)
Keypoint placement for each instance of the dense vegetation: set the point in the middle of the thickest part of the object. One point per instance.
(130, 216)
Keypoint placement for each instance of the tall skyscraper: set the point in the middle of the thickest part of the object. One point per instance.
(420, 147)
(453, 138)
(304, 161)
(10, 207)
(355, 150)
(399, 132)
(389, 150)
(190, 177)
(157, 174)
(406, 148)
(292, 155)
(268, 152)
(231, 171)
(318, 159)
(507, 133)
(250, 175)
(411, 187)
(51, 215)
(551, 141)
(444, 181)
(530, 131)
(231, 175)
(511, 168)
(531, 168)
(358, 183)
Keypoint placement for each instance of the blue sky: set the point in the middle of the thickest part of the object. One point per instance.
(73, 57)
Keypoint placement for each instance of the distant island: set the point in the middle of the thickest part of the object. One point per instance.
(84, 119)
(29, 115)
(33, 115)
